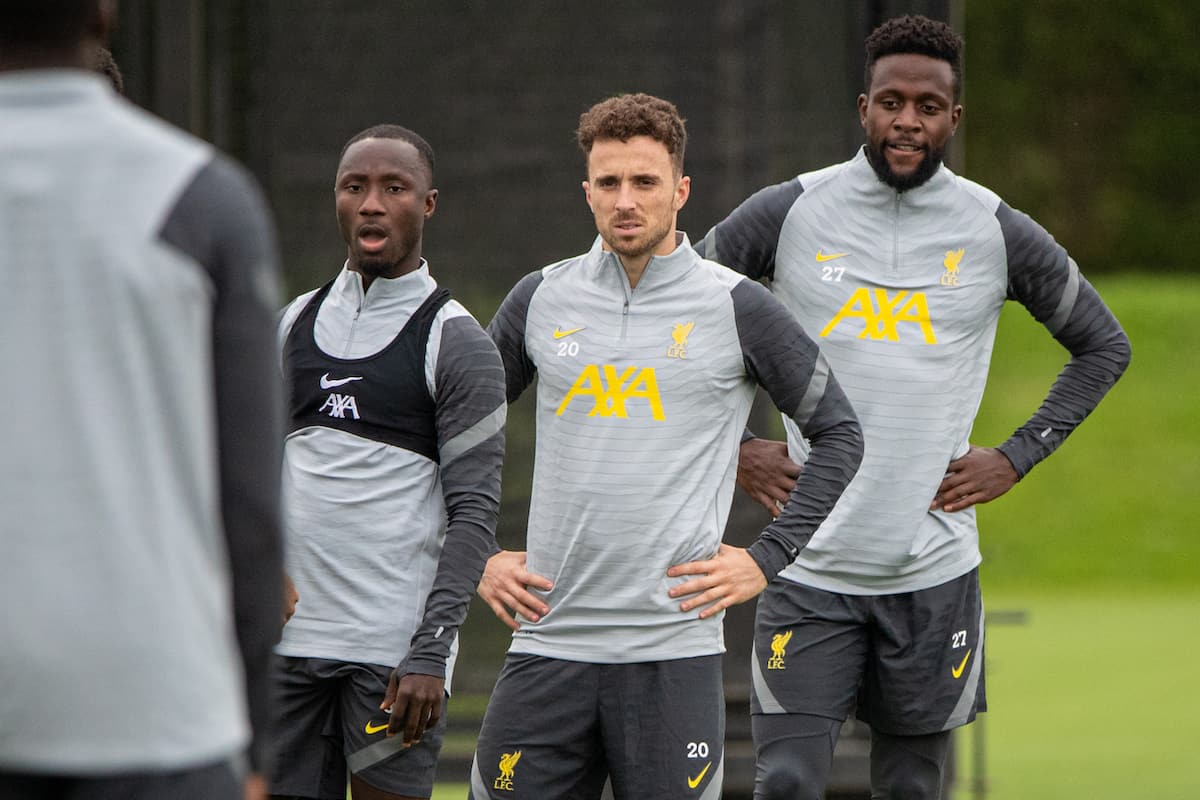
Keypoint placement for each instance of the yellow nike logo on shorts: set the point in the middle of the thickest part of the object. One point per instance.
(694, 782)
(958, 671)
(372, 728)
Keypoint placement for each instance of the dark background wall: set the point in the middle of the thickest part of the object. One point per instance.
(768, 88)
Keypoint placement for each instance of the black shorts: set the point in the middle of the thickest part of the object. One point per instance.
(328, 724)
(912, 663)
(218, 781)
(556, 729)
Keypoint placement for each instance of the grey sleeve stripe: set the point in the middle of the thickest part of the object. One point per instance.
(966, 701)
(1066, 303)
(814, 392)
(708, 245)
(481, 431)
(766, 699)
(373, 753)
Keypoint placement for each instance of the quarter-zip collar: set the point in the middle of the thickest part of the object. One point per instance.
(660, 270)
(384, 293)
(868, 182)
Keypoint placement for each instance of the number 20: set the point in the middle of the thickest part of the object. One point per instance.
(697, 750)
(568, 349)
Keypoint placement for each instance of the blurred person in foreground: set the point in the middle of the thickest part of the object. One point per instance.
(141, 568)
(901, 267)
(392, 484)
(647, 359)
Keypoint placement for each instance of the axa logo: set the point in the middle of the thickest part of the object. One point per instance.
(779, 643)
(611, 391)
(882, 314)
(339, 405)
(508, 763)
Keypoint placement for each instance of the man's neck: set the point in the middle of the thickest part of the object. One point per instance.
(634, 268)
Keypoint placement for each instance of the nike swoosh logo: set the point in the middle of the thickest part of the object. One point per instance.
(830, 257)
(327, 383)
(558, 334)
(694, 782)
(375, 728)
(958, 671)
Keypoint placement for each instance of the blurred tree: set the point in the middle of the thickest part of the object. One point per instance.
(1084, 115)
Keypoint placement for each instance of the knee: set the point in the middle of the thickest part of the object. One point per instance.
(787, 782)
(926, 785)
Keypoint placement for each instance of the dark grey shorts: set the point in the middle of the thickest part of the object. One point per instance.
(557, 729)
(911, 663)
(209, 782)
(328, 724)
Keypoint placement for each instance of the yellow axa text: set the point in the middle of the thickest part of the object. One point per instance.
(882, 314)
(611, 390)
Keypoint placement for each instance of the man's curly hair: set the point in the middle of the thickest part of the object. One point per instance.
(628, 115)
(915, 34)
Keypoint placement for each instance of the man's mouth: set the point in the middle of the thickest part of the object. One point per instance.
(371, 238)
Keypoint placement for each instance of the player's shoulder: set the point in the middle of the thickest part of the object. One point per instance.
(720, 276)
(823, 177)
(970, 191)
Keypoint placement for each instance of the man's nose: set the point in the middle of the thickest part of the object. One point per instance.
(372, 202)
(907, 117)
(625, 197)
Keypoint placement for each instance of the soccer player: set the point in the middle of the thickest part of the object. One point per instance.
(647, 359)
(139, 471)
(392, 481)
(901, 268)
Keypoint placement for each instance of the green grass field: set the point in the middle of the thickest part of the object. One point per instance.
(1094, 696)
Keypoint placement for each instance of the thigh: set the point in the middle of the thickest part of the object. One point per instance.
(810, 651)
(793, 755)
(540, 734)
(663, 727)
(304, 733)
(927, 674)
(371, 755)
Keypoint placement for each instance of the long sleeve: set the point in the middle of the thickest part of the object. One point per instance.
(470, 419)
(1047, 282)
(789, 366)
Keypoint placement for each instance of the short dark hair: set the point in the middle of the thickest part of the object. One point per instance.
(394, 132)
(915, 34)
(38, 23)
(628, 115)
(104, 63)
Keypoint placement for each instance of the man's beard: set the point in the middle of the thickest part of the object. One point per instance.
(902, 183)
(374, 266)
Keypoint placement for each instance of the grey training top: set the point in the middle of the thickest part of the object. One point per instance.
(139, 472)
(641, 400)
(903, 291)
(386, 545)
